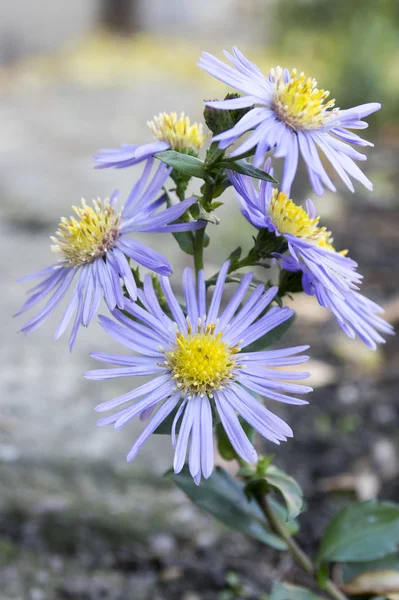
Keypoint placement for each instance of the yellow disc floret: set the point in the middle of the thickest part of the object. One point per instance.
(292, 219)
(201, 362)
(91, 235)
(178, 132)
(299, 103)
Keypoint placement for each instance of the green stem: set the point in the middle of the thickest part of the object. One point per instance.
(251, 260)
(298, 554)
(199, 236)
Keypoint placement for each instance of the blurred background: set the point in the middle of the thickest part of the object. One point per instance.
(75, 520)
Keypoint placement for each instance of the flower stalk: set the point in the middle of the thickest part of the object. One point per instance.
(300, 557)
(199, 237)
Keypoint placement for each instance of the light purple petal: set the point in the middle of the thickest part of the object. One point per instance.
(127, 156)
(233, 429)
(156, 420)
(206, 434)
(217, 294)
(145, 256)
(182, 438)
(190, 297)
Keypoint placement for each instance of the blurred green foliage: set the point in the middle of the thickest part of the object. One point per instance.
(354, 45)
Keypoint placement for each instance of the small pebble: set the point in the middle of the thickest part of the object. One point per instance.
(348, 394)
(385, 458)
(384, 414)
(162, 544)
(170, 574)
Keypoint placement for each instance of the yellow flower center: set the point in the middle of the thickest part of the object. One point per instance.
(201, 362)
(299, 103)
(92, 234)
(177, 131)
(292, 219)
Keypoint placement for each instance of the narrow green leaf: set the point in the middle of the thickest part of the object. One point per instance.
(265, 461)
(216, 205)
(220, 187)
(185, 163)
(284, 591)
(236, 254)
(245, 168)
(360, 532)
(185, 239)
(224, 497)
(288, 488)
(272, 337)
(234, 258)
(213, 154)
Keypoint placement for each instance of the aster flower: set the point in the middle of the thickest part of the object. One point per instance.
(290, 116)
(198, 364)
(170, 133)
(329, 275)
(94, 250)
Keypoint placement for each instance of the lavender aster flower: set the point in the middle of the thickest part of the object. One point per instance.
(329, 275)
(290, 116)
(198, 362)
(95, 249)
(170, 132)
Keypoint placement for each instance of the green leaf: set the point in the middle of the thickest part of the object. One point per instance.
(213, 154)
(234, 258)
(374, 581)
(372, 577)
(190, 165)
(216, 205)
(245, 168)
(288, 488)
(284, 591)
(360, 532)
(272, 337)
(387, 563)
(185, 239)
(220, 187)
(265, 461)
(224, 497)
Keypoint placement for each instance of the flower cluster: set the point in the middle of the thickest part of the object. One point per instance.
(206, 361)
(169, 133)
(289, 116)
(95, 249)
(198, 357)
(329, 275)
